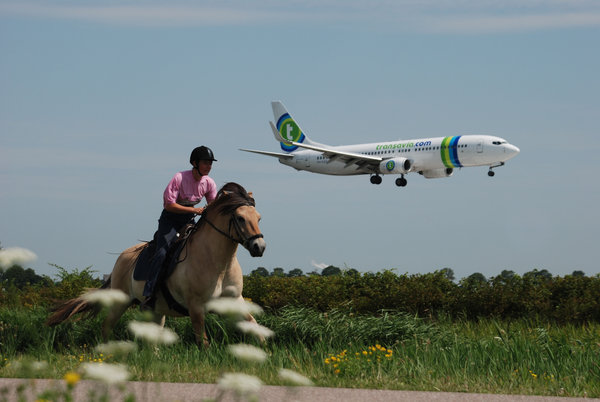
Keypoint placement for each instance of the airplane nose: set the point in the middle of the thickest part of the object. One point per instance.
(511, 150)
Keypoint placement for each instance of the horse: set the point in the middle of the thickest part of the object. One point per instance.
(207, 267)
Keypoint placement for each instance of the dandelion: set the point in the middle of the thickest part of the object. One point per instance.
(15, 256)
(255, 329)
(106, 297)
(229, 306)
(241, 384)
(119, 348)
(72, 378)
(248, 353)
(152, 333)
(294, 378)
(108, 373)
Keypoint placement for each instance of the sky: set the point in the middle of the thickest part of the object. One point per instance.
(101, 103)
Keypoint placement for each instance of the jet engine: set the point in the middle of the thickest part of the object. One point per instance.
(435, 173)
(395, 166)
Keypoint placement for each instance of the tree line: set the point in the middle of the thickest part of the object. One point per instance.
(538, 294)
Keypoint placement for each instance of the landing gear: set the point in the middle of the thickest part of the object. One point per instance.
(376, 179)
(491, 173)
(401, 181)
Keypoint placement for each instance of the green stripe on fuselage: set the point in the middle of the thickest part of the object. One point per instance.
(445, 152)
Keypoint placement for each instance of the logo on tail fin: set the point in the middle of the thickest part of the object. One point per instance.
(289, 130)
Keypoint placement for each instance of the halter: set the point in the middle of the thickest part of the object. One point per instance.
(242, 239)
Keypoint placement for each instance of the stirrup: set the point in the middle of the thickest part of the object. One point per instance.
(148, 304)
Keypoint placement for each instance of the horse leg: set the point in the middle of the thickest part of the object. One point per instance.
(197, 318)
(158, 319)
(114, 313)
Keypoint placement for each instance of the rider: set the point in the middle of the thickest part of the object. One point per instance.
(184, 191)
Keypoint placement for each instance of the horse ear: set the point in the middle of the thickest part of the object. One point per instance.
(250, 194)
(225, 192)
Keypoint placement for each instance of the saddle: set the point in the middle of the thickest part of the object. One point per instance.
(173, 256)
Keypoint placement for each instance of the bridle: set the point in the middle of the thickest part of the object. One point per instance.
(242, 239)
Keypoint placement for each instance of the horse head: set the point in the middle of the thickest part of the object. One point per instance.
(234, 201)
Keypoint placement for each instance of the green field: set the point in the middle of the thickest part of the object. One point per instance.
(390, 350)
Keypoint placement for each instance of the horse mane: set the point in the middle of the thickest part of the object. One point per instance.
(229, 198)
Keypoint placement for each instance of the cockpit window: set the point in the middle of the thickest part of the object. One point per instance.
(498, 142)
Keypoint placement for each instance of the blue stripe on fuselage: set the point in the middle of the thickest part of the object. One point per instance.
(454, 151)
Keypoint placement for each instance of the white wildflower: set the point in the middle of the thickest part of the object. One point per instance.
(33, 366)
(294, 378)
(248, 353)
(233, 307)
(117, 348)
(153, 333)
(106, 297)
(105, 372)
(255, 329)
(241, 384)
(12, 256)
(39, 365)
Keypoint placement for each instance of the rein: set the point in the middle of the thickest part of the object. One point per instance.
(242, 239)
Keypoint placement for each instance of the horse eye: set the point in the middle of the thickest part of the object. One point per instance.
(240, 220)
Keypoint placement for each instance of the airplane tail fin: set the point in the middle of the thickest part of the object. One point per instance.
(286, 128)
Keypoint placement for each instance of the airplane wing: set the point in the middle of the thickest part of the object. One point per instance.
(274, 154)
(332, 154)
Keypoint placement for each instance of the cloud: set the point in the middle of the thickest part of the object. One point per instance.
(319, 265)
(138, 14)
(12, 256)
(429, 16)
(509, 23)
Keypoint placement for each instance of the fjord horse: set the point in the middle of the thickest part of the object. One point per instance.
(207, 266)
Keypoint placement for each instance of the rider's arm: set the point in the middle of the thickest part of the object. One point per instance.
(181, 209)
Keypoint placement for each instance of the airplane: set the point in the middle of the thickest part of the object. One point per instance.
(431, 157)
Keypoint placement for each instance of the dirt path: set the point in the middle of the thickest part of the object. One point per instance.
(168, 392)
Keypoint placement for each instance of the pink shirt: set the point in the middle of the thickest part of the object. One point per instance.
(183, 189)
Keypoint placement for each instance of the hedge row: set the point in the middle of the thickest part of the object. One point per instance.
(568, 299)
(574, 299)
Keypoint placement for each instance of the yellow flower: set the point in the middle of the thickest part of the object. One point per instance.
(72, 378)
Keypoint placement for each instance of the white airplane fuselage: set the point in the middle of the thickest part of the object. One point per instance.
(427, 154)
(431, 157)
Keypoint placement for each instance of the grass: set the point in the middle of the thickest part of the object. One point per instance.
(334, 349)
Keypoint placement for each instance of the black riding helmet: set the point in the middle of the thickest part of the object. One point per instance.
(202, 153)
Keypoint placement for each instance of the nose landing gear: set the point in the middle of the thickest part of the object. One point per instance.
(491, 173)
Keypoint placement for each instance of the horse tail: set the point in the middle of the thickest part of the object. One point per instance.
(74, 306)
(70, 308)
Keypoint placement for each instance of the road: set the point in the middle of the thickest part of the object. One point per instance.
(172, 392)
